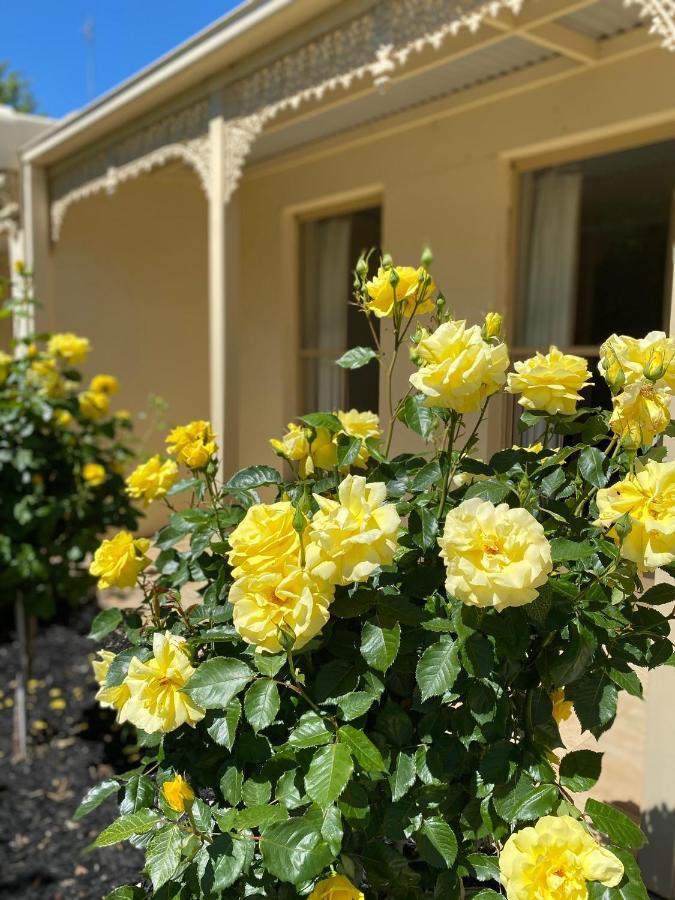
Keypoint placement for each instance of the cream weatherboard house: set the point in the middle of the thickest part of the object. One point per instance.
(199, 222)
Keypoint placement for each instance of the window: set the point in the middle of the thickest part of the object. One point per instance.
(593, 253)
(330, 323)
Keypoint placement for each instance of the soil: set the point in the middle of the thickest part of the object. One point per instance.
(73, 744)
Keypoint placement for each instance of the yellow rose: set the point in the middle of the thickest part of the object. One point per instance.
(62, 418)
(336, 887)
(104, 384)
(294, 445)
(641, 412)
(264, 540)
(93, 405)
(494, 555)
(152, 479)
(283, 596)
(111, 697)
(550, 382)
(492, 327)
(119, 561)
(69, 348)
(323, 450)
(562, 709)
(647, 497)
(458, 369)
(178, 794)
(5, 361)
(362, 425)
(193, 444)
(45, 375)
(554, 861)
(624, 359)
(413, 290)
(348, 540)
(157, 702)
(123, 415)
(94, 474)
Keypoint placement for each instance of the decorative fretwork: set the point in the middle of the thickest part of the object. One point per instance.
(661, 13)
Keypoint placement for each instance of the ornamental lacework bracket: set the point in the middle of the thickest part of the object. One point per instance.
(370, 46)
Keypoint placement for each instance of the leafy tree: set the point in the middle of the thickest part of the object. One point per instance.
(15, 90)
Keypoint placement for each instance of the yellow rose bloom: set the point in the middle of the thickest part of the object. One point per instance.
(265, 540)
(178, 794)
(193, 444)
(562, 709)
(93, 405)
(294, 445)
(647, 497)
(111, 697)
(94, 474)
(362, 425)
(62, 418)
(157, 702)
(350, 538)
(119, 561)
(550, 382)
(69, 348)
(285, 596)
(336, 887)
(641, 412)
(5, 360)
(45, 375)
(413, 291)
(152, 479)
(554, 860)
(323, 450)
(492, 327)
(458, 369)
(494, 555)
(104, 384)
(624, 359)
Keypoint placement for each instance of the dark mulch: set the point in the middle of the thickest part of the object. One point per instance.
(73, 746)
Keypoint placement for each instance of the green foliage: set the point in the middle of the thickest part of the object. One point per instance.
(15, 91)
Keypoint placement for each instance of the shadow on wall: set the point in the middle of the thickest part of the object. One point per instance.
(656, 858)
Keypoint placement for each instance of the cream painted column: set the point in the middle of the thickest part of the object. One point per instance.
(36, 242)
(657, 860)
(223, 300)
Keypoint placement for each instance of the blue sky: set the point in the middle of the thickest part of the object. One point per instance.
(44, 40)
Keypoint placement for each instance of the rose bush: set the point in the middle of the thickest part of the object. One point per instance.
(366, 702)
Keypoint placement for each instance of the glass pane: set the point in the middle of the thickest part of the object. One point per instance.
(323, 385)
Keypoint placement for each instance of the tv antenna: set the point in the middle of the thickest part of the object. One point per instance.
(89, 35)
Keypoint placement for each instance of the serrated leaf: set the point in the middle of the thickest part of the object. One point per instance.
(438, 668)
(593, 466)
(380, 644)
(261, 703)
(258, 816)
(362, 749)
(217, 681)
(95, 796)
(322, 420)
(329, 771)
(418, 417)
(223, 729)
(295, 850)
(126, 826)
(138, 794)
(442, 839)
(564, 550)
(230, 856)
(617, 826)
(331, 829)
(525, 801)
(126, 892)
(105, 622)
(404, 776)
(163, 855)
(580, 769)
(256, 791)
(658, 594)
(356, 357)
(251, 478)
(482, 867)
(426, 477)
(347, 450)
(311, 731)
(494, 491)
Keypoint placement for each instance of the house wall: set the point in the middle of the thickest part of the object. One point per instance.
(446, 178)
(130, 273)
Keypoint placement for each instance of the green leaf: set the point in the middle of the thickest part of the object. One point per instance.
(258, 816)
(295, 850)
(126, 892)
(332, 830)
(595, 700)
(438, 668)
(329, 771)
(494, 491)
(487, 894)
(404, 776)
(362, 749)
(631, 886)
(347, 449)
(251, 478)
(418, 417)
(482, 867)
(163, 855)
(356, 357)
(261, 703)
(139, 794)
(187, 484)
(231, 786)
(95, 796)
(223, 729)
(379, 645)
(256, 791)
(322, 420)
(564, 550)
(217, 681)
(442, 838)
(580, 770)
(126, 826)
(426, 477)
(105, 622)
(658, 594)
(525, 802)
(617, 826)
(230, 856)
(593, 466)
(311, 731)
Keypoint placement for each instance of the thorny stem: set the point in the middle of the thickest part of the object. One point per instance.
(449, 441)
(212, 494)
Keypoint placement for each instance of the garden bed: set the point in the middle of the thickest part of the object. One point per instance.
(72, 747)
